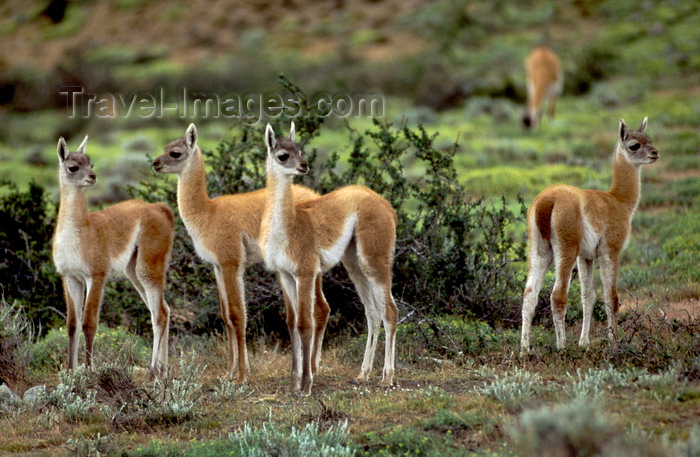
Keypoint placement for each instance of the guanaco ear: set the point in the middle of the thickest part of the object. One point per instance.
(191, 136)
(292, 132)
(643, 127)
(623, 130)
(62, 149)
(270, 137)
(83, 146)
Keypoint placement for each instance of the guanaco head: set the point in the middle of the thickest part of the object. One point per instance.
(178, 153)
(636, 146)
(75, 168)
(283, 154)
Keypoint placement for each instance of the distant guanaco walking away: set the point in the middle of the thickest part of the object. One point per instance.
(352, 225)
(566, 225)
(544, 84)
(224, 231)
(88, 247)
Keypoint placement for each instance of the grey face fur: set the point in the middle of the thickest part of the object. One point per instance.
(177, 153)
(75, 168)
(285, 152)
(636, 145)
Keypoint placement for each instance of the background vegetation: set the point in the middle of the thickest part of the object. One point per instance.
(453, 160)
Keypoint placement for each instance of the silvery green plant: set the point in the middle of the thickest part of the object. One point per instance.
(89, 447)
(308, 441)
(225, 389)
(663, 379)
(180, 396)
(592, 383)
(512, 389)
(433, 392)
(72, 397)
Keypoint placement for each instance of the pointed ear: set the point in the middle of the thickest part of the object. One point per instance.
(292, 132)
(83, 146)
(643, 127)
(623, 130)
(191, 136)
(62, 149)
(270, 138)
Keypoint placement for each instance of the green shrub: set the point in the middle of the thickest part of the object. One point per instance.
(16, 334)
(111, 344)
(27, 274)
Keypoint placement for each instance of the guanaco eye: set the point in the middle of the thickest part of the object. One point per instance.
(73, 169)
(283, 157)
(634, 147)
(175, 155)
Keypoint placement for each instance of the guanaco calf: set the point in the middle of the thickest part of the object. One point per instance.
(88, 247)
(566, 225)
(544, 84)
(224, 231)
(300, 241)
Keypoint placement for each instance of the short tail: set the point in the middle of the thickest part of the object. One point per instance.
(167, 212)
(543, 216)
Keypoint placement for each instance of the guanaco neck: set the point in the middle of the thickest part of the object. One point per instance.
(625, 185)
(72, 211)
(192, 197)
(280, 208)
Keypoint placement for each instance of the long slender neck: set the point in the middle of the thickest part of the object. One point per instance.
(280, 206)
(192, 197)
(625, 181)
(73, 209)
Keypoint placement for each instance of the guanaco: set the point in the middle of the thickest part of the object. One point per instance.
(225, 231)
(300, 241)
(544, 84)
(566, 225)
(88, 247)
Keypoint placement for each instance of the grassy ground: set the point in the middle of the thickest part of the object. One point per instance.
(642, 396)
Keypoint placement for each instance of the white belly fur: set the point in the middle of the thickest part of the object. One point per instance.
(332, 255)
(589, 242)
(118, 264)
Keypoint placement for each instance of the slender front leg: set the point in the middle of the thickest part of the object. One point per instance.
(229, 279)
(289, 289)
(306, 328)
(74, 291)
(91, 316)
(321, 313)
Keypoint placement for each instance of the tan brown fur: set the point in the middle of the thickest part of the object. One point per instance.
(567, 225)
(352, 225)
(89, 247)
(544, 84)
(225, 231)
